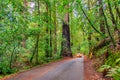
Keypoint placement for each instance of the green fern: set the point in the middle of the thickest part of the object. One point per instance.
(115, 73)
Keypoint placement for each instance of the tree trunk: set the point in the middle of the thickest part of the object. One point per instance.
(66, 46)
(55, 29)
(47, 44)
(35, 51)
(48, 49)
(50, 32)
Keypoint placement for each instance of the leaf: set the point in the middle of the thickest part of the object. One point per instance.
(102, 68)
(118, 60)
(118, 70)
(119, 2)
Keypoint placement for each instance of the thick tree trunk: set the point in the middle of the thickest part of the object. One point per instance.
(66, 46)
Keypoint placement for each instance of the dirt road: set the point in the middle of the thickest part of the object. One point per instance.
(72, 69)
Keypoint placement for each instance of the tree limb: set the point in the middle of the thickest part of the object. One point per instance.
(90, 22)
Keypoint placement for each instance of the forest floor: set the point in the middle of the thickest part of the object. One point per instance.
(90, 72)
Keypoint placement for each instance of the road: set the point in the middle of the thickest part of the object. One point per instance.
(72, 69)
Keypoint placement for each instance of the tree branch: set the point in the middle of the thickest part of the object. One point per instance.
(107, 26)
(90, 22)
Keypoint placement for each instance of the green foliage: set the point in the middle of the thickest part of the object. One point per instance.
(5, 69)
(23, 23)
(103, 67)
(112, 64)
(84, 47)
(113, 59)
(112, 71)
(115, 73)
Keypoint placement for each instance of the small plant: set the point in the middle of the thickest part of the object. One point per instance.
(102, 68)
(112, 66)
(115, 73)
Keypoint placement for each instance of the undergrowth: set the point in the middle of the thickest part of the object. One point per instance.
(112, 65)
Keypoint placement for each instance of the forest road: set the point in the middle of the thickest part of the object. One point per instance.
(72, 69)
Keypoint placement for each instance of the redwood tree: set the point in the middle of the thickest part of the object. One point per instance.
(65, 45)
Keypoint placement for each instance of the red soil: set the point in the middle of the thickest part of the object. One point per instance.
(90, 73)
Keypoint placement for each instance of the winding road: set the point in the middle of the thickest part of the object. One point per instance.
(72, 69)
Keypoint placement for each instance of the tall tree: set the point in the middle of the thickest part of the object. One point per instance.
(35, 51)
(50, 15)
(55, 28)
(48, 30)
(66, 46)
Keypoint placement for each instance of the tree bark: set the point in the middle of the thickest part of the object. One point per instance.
(66, 46)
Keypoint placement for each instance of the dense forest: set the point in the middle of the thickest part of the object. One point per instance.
(34, 32)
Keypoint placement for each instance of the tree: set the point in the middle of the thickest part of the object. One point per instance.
(35, 51)
(55, 28)
(66, 46)
(48, 49)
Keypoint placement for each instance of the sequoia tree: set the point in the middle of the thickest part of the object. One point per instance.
(65, 45)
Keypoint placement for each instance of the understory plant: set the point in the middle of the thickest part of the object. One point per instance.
(112, 66)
